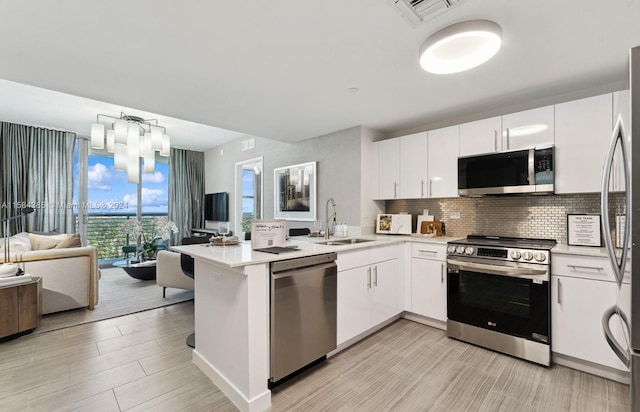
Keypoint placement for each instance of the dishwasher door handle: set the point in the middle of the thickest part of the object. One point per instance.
(301, 271)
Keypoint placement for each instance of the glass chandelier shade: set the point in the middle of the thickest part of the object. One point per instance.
(131, 139)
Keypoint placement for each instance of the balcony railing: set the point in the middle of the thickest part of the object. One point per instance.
(104, 231)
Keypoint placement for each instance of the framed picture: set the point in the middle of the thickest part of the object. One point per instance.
(584, 230)
(295, 192)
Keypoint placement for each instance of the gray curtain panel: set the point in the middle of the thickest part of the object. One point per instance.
(186, 191)
(37, 171)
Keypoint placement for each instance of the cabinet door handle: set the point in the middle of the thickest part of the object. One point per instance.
(508, 139)
(430, 187)
(441, 273)
(368, 278)
(395, 189)
(559, 290)
(422, 188)
(575, 267)
(495, 140)
(375, 276)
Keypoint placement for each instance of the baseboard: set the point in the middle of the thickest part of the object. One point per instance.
(438, 324)
(259, 403)
(356, 339)
(590, 367)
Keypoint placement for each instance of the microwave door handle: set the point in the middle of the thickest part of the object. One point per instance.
(618, 349)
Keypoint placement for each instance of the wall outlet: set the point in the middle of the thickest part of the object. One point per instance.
(455, 215)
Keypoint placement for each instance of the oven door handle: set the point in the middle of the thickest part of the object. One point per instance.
(515, 272)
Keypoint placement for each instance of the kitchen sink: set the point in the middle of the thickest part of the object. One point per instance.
(342, 242)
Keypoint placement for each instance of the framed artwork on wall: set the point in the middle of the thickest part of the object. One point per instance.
(295, 192)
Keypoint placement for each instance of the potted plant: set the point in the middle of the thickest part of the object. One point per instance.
(161, 229)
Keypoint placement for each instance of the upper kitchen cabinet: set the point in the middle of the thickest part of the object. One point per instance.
(531, 128)
(583, 129)
(388, 168)
(414, 175)
(442, 162)
(522, 130)
(482, 136)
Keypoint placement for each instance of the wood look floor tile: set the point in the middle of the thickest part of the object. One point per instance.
(113, 359)
(102, 402)
(498, 402)
(166, 360)
(149, 387)
(88, 387)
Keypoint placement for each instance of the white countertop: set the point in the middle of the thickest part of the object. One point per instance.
(584, 251)
(242, 255)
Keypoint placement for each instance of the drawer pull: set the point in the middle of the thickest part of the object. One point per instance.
(575, 267)
(427, 251)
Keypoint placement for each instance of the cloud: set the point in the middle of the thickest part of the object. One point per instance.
(99, 177)
(155, 177)
(150, 197)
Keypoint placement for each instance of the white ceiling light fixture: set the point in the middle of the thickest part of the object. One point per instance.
(127, 140)
(460, 46)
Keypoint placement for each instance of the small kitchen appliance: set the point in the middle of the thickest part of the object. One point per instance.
(498, 294)
(394, 224)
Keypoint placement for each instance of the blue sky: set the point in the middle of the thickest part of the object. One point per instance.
(109, 192)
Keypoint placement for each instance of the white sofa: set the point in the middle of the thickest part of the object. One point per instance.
(69, 275)
(169, 273)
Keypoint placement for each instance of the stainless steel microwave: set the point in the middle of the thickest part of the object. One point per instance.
(515, 171)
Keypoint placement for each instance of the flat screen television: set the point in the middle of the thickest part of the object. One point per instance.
(216, 207)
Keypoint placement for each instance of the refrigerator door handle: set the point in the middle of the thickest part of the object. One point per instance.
(618, 349)
(618, 268)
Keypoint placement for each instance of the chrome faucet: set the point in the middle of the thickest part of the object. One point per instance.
(326, 211)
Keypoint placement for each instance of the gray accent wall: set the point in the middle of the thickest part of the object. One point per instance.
(339, 164)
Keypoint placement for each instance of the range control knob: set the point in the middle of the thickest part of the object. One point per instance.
(469, 250)
(451, 249)
(540, 257)
(527, 255)
(515, 254)
(460, 250)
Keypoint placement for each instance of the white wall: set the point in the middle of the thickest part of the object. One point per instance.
(339, 171)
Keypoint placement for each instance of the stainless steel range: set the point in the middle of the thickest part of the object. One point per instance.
(499, 294)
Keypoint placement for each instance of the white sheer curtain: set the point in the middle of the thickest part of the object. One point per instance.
(37, 171)
(186, 191)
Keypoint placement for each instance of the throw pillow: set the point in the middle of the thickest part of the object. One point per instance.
(70, 241)
(18, 243)
(39, 242)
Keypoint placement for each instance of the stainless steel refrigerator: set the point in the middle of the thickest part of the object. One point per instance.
(622, 144)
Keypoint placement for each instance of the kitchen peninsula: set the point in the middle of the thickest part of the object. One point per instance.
(232, 312)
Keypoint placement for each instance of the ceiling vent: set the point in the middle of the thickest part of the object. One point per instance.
(418, 11)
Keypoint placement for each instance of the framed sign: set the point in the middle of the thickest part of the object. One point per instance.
(584, 230)
(295, 192)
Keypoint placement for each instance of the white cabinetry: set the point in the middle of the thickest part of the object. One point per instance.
(369, 283)
(521, 130)
(582, 289)
(442, 163)
(428, 280)
(413, 166)
(530, 128)
(482, 136)
(388, 168)
(583, 129)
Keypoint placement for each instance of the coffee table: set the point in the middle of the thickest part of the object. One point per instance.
(138, 270)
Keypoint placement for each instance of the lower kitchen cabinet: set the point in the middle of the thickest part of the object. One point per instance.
(367, 296)
(429, 288)
(429, 280)
(577, 306)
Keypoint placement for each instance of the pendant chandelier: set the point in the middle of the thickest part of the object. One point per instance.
(131, 138)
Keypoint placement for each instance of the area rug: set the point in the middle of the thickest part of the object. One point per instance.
(119, 294)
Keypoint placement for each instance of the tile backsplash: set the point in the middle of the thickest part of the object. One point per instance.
(530, 216)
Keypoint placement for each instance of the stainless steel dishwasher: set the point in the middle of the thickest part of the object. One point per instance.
(303, 312)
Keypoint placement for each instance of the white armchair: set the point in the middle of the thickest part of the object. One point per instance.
(169, 273)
